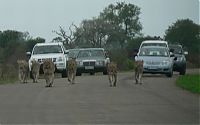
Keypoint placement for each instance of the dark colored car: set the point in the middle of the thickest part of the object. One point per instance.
(180, 62)
(91, 60)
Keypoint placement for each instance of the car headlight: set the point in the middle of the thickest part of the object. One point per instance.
(79, 63)
(166, 62)
(60, 59)
(100, 63)
(180, 59)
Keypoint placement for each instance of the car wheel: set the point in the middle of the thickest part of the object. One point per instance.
(105, 73)
(64, 74)
(182, 72)
(170, 74)
(78, 74)
(92, 73)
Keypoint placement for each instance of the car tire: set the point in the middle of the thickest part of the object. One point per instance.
(64, 73)
(92, 73)
(170, 74)
(105, 73)
(182, 72)
(78, 74)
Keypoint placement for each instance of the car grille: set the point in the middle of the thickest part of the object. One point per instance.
(89, 63)
(153, 63)
(42, 60)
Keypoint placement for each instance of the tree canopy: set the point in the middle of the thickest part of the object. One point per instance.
(185, 32)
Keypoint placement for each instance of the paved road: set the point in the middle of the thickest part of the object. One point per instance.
(91, 100)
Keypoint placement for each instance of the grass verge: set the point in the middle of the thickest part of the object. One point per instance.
(189, 82)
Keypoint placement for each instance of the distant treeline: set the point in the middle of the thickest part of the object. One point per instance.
(117, 29)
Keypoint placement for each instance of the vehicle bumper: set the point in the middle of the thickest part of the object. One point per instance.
(84, 69)
(157, 70)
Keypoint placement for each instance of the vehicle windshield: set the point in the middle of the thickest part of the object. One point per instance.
(154, 44)
(73, 53)
(176, 49)
(91, 53)
(47, 49)
(154, 52)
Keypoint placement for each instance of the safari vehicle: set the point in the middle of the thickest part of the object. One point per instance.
(92, 60)
(154, 43)
(54, 51)
(157, 60)
(180, 63)
(151, 43)
(72, 53)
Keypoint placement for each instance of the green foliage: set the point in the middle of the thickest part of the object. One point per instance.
(13, 46)
(93, 33)
(128, 64)
(114, 27)
(8, 73)
(120, 56)
(124, 19)
(31, 42)
(185, 32)
(190, 82)
(126, 16)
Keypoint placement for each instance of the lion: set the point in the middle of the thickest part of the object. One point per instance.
(138, 71)
(23, 70)
(71, 70)
(35, 68)
(48, 69)
(112, 73)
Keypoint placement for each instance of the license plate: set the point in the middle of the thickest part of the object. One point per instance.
(153, 67)
(89, 67)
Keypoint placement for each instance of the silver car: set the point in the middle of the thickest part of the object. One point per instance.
(156, 60)
(91, 60)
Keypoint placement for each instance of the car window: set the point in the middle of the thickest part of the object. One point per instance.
(47, 49)
(84, 53)
(73, 53)
(97, 53)
(176, 49)
(154, 44)
(154, 52)
(91, 53)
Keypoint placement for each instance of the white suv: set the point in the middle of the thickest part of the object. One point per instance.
(154, 43)
(54, 51)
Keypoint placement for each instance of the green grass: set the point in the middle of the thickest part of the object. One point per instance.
(189, 82)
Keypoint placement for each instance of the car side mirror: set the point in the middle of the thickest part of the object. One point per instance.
(66, 52)
(171, 50)
(186, 53)
(171, 54)
(28, 54)
(108, 60)
(175, 58)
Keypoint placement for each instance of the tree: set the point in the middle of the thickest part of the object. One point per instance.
(125, 17)
(31, 43)
(66, 38)
(93, 32)
(185, 32)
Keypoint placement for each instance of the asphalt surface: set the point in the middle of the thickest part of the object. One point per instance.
(91, 101)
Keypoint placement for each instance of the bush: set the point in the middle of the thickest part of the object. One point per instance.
(128, 64)
(121, 58)
(8, 72)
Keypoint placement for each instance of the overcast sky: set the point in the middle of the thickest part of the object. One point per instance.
(41, 17)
